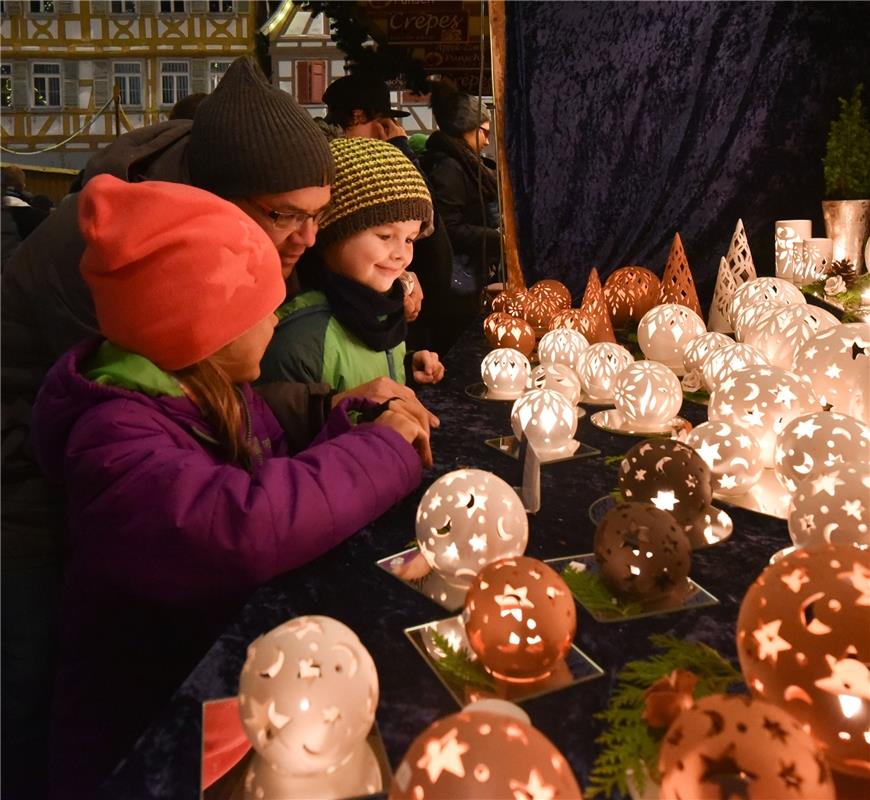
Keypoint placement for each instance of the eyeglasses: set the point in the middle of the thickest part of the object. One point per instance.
(292, 220)
(484, 131)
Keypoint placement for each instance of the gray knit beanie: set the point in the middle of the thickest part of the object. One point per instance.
(456, 112)
(250, 138)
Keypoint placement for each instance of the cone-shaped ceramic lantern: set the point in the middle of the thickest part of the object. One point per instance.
(734, 270)
(678, 285)
(595, 322)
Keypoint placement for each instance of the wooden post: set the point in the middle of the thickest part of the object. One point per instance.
(498, 47)
(116, 97)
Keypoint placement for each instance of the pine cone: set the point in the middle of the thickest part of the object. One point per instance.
(844, 269)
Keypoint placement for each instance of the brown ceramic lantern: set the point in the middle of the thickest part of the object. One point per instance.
(556, 289)
(511, 302)
(731, 746)
(539, 309)
(571, 318)
(503, 330)
(491, 325)
(481, 755)
(520, 618)
(642, 552)
(631, 292)
(803, 638)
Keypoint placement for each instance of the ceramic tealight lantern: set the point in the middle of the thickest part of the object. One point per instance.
(702, 346)
(780, 334)
(560, 293)
(539, 309)
(817, 442)
(598, 367)
(758, 289)
(664, 332)
(307, 695)
(749, 317)
(803, 638)
(558, 378)
(731, 452)
(465, 520)
(788, 244)
(837, 363)
(631, 292)
(482, 755)
(561, 346)
(643, 553)
(511, 302)
(491, 324)
(764, 400)
(647, 395)
(520, 619)
(503, 330)
(723, 361)
(736, 746)
(548, 421)
(832, 507)
(505, 372)
(571, 318)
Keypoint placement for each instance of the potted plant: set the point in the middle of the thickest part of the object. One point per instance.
(847, 181)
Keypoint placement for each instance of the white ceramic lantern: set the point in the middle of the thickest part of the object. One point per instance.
(548, 421)
(701, 346)
(764, 400)
(815, 258)
(725, 360)
(307, 697)
(467, 519)
(780, 334)
(647, 395)
(832, 507)
(788, 243)
(731, 452)
(505, 373)
(562, 346)
(559, 378)
(837, 362)
(665, 330)
(774, 289)
(817, 442)
(751, 316)
(598, 367)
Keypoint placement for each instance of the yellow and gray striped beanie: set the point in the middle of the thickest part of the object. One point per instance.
(375, 184)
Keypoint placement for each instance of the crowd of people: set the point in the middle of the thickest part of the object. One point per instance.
(209, 356)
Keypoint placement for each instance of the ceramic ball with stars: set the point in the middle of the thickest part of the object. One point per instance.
(764, 400)
(832, 507)
(520, 618)
(307, 697)
(780, 334)
(597, 368)
(817, 442)
(643, 553)
(481, 755)
(803, 638)
(505, 372)
(466, 519)
(730, 747)
(665, 330)
(731, 452)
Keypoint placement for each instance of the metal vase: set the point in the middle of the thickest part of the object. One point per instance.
(847, 223)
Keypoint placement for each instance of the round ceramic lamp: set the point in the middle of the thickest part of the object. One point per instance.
(664, 332)
(560, 293)
(731, 452)
(562, 346)
(502, 330)
(505, 372)
(571, 318)
(647, 395)
(491, 325)
(779, 335)
(758, 289)
(520, 619)
(803, 643)
(832, 507)
(630, 292)
(837, 363)
(307, 698)
(752, 315)
(735, 746)
(597, 368)
(548, 421)
(764, 400)
(719, 364)
(465, 520)
(642, 553)
(481, 755)
(702, 346)
(816, 442)
(539, 309)
(511, 302)
(558, 378)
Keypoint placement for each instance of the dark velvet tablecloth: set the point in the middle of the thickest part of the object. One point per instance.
(346, 584)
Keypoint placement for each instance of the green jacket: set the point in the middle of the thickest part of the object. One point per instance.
(311, 345)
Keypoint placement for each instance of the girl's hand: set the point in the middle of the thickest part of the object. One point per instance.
(427, 367)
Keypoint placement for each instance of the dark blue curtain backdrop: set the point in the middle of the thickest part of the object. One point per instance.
(626, 122)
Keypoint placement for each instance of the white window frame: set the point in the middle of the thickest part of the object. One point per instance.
(48, 76)
(123, 78)
(233, 8)
(124, 12)
(168, 104)
(214, 76)
(173, 9)
(6, 78)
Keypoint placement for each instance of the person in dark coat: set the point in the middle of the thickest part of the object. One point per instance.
(21, 213)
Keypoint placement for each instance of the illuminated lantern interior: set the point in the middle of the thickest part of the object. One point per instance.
(598, 367)
(754, 291)
(548, 421)
(723, 361)
(732, 453)
(780, 334)
(631, 292)
(647, 395)
(505, 373)
(664, 332)
(701, 346)
(558, 378)
(562, 346)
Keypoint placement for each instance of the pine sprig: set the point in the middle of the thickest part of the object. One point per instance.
(595, 597)
(627, 742)
(457, 666)
(701, 397)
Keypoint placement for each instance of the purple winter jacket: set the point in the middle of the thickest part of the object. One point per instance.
(167, 540)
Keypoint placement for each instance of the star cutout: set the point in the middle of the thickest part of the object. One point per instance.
(853, 508)
(806, 428)
(444, 755)
(451, 552)
(640, 474)
(709, 452)
(770, 643)
(859, 577)
(665, 501)
(807, 523)
(833, 371)
(732, 779)
(789, 776)
(728, 384)
(512, 601)
(810, 352)
(533, 789)
(477, 542)
(728, 481)
(303, 626)
(308, 669)
(795, 579)
(785, 395)
(775, 730)
(744, 441)
(858, 350)
(827, 483)
(754, 417)
(435, 502)
(726, 409)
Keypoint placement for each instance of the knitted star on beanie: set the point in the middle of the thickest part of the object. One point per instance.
(375, 184)
(176, 273)
(250, 138)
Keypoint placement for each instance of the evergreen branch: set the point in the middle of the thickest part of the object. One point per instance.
(590, 591)
(701, 396)
(457, 666)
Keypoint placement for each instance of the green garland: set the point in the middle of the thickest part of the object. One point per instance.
(594, 596)
(702, 397)
(850, 300)
(627, 742)
(457, 666)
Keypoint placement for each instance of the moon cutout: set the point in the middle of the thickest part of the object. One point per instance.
(804, 467)
(754, 391)
(812, 623)
(275, 667)
(717, 723)
(502, 533)
(352, 662)
(660, 464)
